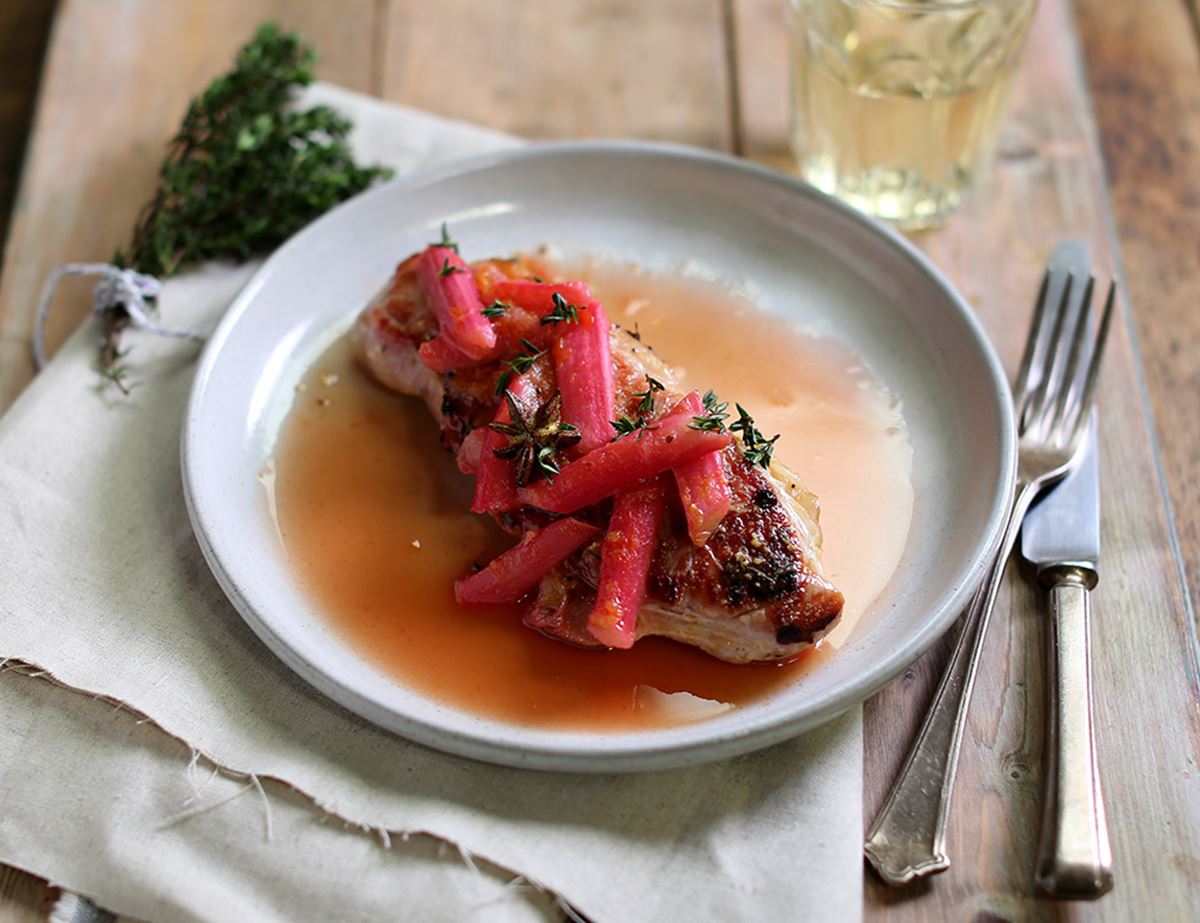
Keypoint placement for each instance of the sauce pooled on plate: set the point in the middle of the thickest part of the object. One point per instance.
(374, 516)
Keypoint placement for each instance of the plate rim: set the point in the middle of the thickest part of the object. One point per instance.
(634, 755)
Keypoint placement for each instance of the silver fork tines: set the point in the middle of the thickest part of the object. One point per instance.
(1052, 395)
(1052, 377)
(1079, 408)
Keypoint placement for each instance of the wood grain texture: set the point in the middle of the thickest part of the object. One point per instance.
(71, 207)
(23, 898)
(1144, 75)
(24, 30)
(156, 56)
(569, 69)
(761, 34)
(1048, 184)
(24, 27)
(588, 68)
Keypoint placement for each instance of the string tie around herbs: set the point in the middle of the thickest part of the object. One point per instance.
(125, 288)
(248, 167)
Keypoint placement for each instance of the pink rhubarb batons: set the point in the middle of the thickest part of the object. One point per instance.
(495, 478)
(442, 356)
(625, 558)
(584, 371)
(703, 485)
(450, 287)
(517, 571)
(621, 464)
(538, 297)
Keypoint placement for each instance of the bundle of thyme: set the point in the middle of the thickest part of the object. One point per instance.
(243, 173)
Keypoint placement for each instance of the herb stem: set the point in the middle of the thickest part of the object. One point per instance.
(243, 173)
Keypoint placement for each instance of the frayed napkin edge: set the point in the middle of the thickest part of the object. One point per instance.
(381, 835)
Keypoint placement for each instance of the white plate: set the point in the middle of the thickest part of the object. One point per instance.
(807, 256)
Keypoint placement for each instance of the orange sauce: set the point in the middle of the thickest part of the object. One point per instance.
(374, 517)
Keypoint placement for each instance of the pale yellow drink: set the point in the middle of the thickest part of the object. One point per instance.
(896, 104)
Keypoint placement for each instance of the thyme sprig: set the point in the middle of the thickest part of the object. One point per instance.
(714, 416)
(627, 427)
(117, 374)
(645, 408)
(495, 309)
(243, 173)
(755, 446)
(562, 310)
(519, 364)
(448, 270)
(447, 241)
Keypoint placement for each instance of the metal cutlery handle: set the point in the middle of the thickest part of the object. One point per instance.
(908, 838)
(1074, 857)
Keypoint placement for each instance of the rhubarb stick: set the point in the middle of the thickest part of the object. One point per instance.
(583, 367)
(517, 571)
(450, 287)
(495, 478)
(538, 297)
(703, 485)
(620, 464)
(625, 557)
(442, 356)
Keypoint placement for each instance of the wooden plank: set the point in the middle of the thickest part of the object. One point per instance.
(1048, 184)
(761, 38)
(24, 29)
(72, 207)
(577, 69)
(576, 76)
(102, 123)
(23, 898)
(1149, 119)
(24, 26)
(607, 84)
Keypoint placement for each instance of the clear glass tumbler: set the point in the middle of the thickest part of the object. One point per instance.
(896, 104)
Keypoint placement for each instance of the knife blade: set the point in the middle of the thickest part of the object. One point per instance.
(1061, 536)
(1064, 526)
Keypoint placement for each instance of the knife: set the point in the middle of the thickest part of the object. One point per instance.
(1061, 536)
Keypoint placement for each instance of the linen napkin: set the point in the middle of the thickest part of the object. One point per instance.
(198, 778)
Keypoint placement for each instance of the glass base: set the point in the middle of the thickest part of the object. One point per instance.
(898, 196)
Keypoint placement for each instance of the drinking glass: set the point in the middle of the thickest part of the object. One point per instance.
(896, 103)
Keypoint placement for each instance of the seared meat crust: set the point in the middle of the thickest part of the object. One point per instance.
(753, 592)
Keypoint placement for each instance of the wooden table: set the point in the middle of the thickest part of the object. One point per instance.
(713, 73)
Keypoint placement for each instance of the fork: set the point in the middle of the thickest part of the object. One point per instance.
(1052, 396)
